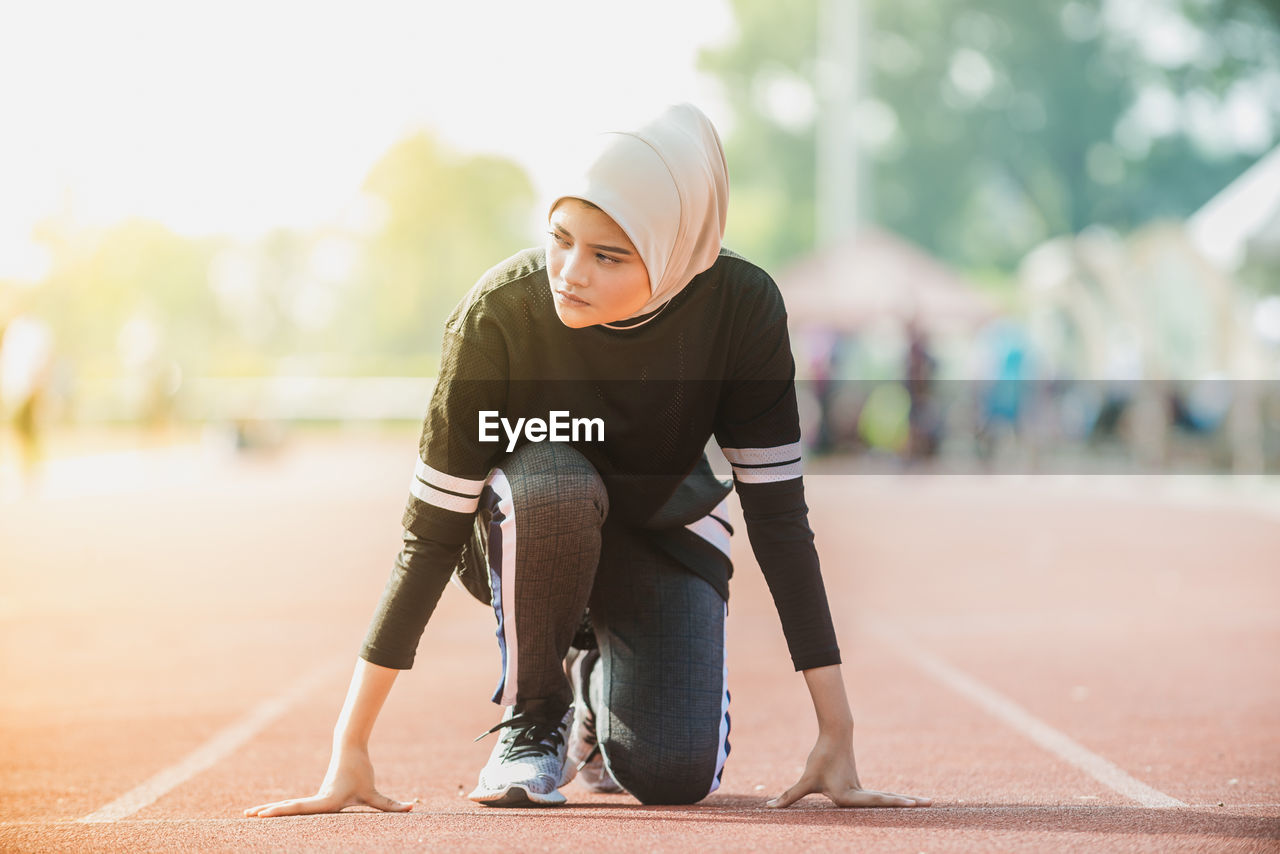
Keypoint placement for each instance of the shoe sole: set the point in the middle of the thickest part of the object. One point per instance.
(517, 796)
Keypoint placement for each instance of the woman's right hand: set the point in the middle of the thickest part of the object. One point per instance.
(348, 783)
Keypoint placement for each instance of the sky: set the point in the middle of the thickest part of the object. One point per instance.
(237, 117)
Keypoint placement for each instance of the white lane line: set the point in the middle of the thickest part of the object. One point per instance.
(1055, 741)
(217, 748)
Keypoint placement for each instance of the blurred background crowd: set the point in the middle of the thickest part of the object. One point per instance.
(1011, 236)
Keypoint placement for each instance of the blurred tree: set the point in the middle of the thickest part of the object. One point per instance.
(990, 125)
(124, 297)
(771, 163)
(446, 219)
(136, 299)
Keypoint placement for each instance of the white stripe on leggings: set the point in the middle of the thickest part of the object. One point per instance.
(722, 751)
(711, 530)
(507, 604)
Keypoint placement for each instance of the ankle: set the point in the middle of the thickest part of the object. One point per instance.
(542, 709)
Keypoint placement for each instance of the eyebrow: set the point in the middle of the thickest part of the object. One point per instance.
(601, 246)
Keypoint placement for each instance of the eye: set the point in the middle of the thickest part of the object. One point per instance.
(607, 259)
(557, 238)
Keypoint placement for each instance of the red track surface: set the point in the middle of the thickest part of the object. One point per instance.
(141, 621)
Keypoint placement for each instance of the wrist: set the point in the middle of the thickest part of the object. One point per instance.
(345, 741)
(839, 728)
(830, 704)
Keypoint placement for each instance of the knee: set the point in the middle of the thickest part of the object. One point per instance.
(672, 795)
(668, 780)
(552, 474)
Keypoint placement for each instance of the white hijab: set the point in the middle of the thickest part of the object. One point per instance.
(667, 186)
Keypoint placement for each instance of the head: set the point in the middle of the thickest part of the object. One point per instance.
(656, 199)
(597, 274)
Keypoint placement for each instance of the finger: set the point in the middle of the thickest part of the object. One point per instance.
(252, 811)
(911, 800)
(795, 793)
(261, 808)
(382, 802)
(278, 808)
(867, 798)
(298, 806)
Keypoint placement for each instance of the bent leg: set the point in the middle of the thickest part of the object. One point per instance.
(659, 694)
(533, 556)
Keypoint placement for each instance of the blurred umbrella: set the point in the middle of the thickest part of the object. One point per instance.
(873, 276)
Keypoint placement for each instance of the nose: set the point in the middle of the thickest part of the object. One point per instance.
(574, 271)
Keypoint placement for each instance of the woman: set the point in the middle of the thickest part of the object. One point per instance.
(561, 478)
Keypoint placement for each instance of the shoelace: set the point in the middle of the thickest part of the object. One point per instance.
(530, 736)
(595, 751)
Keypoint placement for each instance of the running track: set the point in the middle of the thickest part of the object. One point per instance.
(1090, 665)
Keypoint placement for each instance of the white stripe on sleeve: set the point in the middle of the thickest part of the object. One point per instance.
(444, 500)
(765, 465)
(447, 482)
(444, 490)
(762, 456)
(768, 475)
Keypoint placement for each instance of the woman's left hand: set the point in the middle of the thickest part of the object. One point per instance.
(831, 771)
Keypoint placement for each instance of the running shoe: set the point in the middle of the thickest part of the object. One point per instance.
(527, 765)
(584, 756)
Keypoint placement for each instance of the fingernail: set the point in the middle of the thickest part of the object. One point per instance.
(772, 802)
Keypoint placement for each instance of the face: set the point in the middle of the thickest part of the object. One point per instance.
(596, 273)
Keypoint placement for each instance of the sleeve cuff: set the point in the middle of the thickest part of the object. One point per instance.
(811, 660)
(382, 658)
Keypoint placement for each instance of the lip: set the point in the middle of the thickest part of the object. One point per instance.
(569, 299)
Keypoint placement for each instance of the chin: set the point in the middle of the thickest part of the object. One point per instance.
(574, 320)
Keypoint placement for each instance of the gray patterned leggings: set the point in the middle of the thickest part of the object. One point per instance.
(543, 549)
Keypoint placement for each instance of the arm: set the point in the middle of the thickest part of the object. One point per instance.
(349, 780)
(421, 572)
(438, 518)
(831, 769)
(759, 430)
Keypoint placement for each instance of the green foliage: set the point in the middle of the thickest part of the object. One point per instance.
(136, 276)
(770, 166)
(448, 219)
(135, 299)
(1002, 122)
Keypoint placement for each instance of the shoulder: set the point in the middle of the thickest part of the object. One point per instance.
(741, 271)
(504, 285)
(747, 288)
